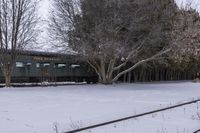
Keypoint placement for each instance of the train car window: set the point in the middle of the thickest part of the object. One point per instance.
(19, 64)
(37, 65)
(28, 64)
(75, 66)
(61, 65)
(46, 64)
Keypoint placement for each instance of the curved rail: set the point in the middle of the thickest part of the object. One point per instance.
(134, 116)
(198, 131)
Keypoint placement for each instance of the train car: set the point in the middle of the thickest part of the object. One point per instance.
(33, 66)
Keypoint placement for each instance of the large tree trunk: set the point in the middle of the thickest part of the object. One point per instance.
(106, 81)
(8, 79)
(104, 70)
(7, 71)
(105, 78)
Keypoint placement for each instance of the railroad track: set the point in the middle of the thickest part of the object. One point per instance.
(134, 116)
(198, 131)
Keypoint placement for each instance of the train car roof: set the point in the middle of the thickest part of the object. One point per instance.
(47, 54)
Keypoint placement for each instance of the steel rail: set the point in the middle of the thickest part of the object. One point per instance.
(133, 116)
(198, 131)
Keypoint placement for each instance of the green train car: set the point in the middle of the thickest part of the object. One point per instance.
(33, 66)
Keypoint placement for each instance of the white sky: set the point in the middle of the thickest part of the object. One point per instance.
(45, 4)
(44, 7)
(195, 3)
(44, 13)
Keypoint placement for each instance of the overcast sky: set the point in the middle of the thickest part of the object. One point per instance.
(195, 3)
(44, 6)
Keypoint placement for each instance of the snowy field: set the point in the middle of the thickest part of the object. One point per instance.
(42, 109)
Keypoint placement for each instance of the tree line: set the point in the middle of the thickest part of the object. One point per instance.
(115, 37)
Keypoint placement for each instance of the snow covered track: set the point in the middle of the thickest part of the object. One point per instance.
(42, 109)
(198, 131)
(135, 116)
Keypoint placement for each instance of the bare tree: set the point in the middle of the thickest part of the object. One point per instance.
(186, 38)
(18, 20)
(186, 35)
(113, 33)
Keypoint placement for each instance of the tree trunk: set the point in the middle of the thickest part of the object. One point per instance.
(124, 78)
(129, 77)
(105, 78)
(106, 81)
(7, 71)
(8, 79)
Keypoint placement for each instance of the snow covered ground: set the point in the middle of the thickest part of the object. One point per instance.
(41, 109)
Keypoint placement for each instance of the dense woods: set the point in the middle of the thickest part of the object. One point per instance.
(147, 39)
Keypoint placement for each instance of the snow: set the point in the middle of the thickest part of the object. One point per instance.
(41, 109)
(44, 83)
